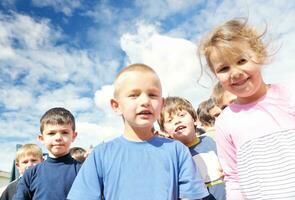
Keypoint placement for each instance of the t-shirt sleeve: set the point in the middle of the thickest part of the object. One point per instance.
(191, 185)
(88, 183)
(4, 195)
(226, 151)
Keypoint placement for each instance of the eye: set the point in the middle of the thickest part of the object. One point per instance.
(222, 69)
(169, 120)
(132, 95)
(153, 95)
(242, 61)
(50, 133)
(65, 132)
(182, 114)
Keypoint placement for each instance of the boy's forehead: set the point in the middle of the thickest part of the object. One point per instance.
(29, 155)
(126, 79)
(56, 126)
(173, 111)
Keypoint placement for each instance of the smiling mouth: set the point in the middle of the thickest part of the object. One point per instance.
(145, 113)
(179, 128)
(239, 83)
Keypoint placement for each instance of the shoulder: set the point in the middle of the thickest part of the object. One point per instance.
(172, 143)
(207, 139)
(33, 171)
(284, 88)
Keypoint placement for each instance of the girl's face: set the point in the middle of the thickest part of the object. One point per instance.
(241, 75)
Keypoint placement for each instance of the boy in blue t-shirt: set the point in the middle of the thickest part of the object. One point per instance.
(178, 119)
(138, 165)
(53, 178)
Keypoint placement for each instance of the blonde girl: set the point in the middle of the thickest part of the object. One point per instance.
(255, 134)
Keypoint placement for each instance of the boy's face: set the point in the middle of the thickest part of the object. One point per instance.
(227, 99)
(27, 161)
(215, 111)
(139, 98)
(57, 139)
(180, 126)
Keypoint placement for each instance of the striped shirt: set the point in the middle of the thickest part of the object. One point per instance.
(255, 144)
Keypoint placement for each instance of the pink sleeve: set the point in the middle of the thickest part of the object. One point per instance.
(227, 156)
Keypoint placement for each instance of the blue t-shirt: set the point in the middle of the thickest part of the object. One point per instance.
(49, 180)
(156, 169)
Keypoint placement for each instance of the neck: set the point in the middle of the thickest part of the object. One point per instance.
(195, 141)
(138, 134)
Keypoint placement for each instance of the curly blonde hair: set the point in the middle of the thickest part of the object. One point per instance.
(225, 38)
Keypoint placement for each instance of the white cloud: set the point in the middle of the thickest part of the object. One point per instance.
(103, 97)
(15, 98)
(93, 134)
(174, 60)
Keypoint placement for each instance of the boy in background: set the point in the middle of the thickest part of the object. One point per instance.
(178, 119)
(53, 178)
(207, 112)
(78, 153)
(138, 165)
(26, 156)
(221, 97)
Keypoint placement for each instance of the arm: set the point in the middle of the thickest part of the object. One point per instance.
(23, 187)
(191, 185)
(228, 159)
(88, 183)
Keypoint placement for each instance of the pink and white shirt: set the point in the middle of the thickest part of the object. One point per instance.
(256, 146)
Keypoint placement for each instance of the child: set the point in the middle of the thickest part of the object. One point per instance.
(78, 153)
(178, 119)
(26, 156)
(53, 178)
(222, 97)
(207, 112)
(255, 134)
(138, 165)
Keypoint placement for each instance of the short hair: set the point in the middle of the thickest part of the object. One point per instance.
(133, 67)
(217, 93)
(58, 116)
(203, 112)
(78, 153)
(28, 149)
(223, 38)
(174, 104)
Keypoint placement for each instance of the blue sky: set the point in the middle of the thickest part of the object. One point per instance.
(67, 53)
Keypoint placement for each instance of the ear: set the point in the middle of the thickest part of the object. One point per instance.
(40, 138)
(196, 123)
(163, 102)
(74, 136)
(115, 106)
(17, 165)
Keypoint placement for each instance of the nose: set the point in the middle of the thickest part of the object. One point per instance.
(58, 136)
(144, 100)
(30, 163)
(177, 120)
(235, 73)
